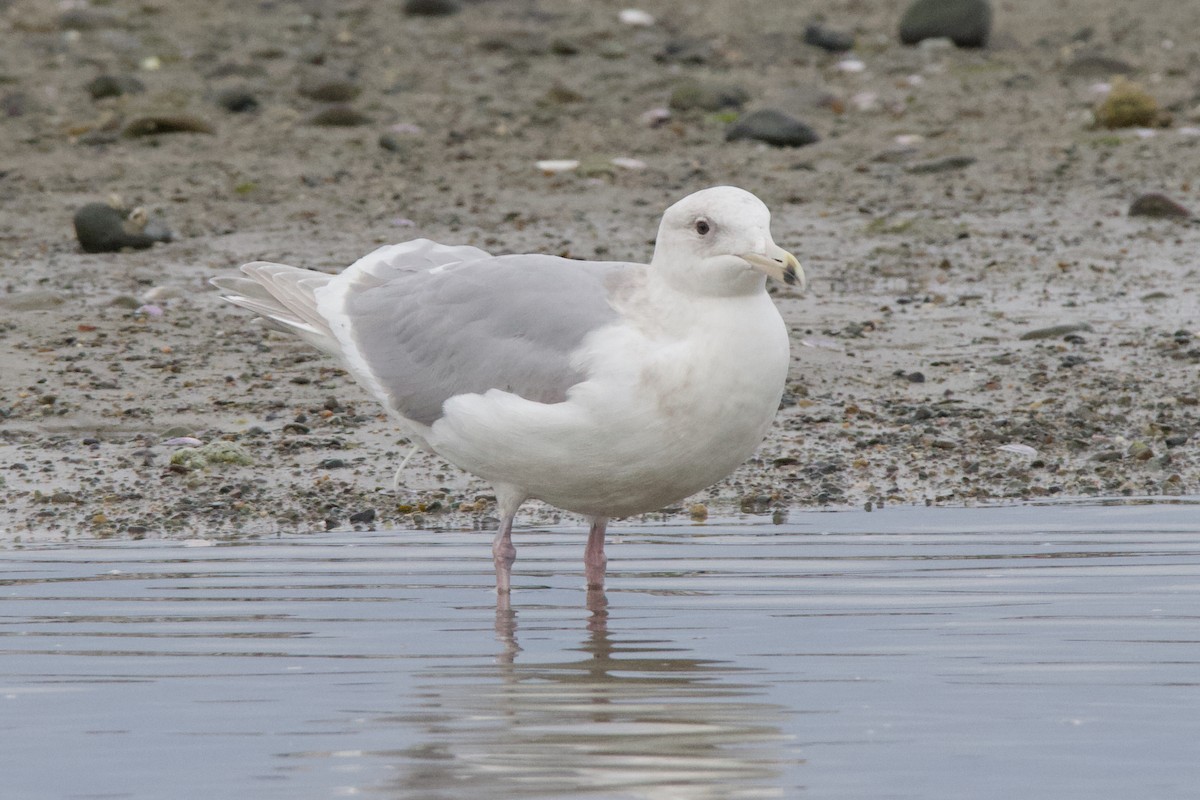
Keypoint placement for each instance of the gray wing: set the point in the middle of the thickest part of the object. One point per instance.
(506, 322)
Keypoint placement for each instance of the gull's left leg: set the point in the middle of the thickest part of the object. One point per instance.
(508, 500)
(594, 560)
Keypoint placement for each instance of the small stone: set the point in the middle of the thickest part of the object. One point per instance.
(564, 47)
(101, 228)
(698, 512)
(365, 517)
(829, 39)
(88, 18)
(686, 50)
(1140, 451)
(1127, 105)
(337, 116)
(176, 431)
(948, 164)
(431, 8)
(967, 23)
(34, 300)
(521, 43)
(1055, 331)
(1094, 65)
(611, 49)
(329, 88)
(391, 142)
(332, 463)
(1176, 440)
(237, 100)
(1158, 206)
(218, 452)
(773, 127)
(234, 69)
(155, 124)
(114, 86)
(707, 97)
(559, 95)
(14, 104)
(636, 18)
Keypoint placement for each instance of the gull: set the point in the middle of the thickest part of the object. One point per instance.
(607, 389)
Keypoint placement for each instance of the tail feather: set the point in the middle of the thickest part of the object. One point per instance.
(285, 297)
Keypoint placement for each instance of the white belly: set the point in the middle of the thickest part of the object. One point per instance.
(662, 415)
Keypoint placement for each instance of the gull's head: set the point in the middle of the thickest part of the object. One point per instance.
(718, 241)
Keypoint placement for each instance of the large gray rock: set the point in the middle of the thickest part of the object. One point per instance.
(773, 127)
(965, 22)
(103, 228)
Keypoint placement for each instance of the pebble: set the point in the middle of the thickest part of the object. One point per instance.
(1094, 65)
(1127, 105)
(364, 517)
(332, 463)
(636, 18)
(431, 8)
(687, 50)
(337, 116)
(102, 228)
(555, 165)
(176, 431)
(707, 97)
(328, 88)
(948, 164)
(154, 124)
(1158, 206)
(14, 104)
(773, 127)
(967, 23)
(233, 69)
(35, 300)
(392, 142)
(219, 452)
(1054, 331)
(88, 18)
(655, 117)
(521, 43)
(559, 95)
(830, 39)
(113, 86)
(237, 100)
(1140, 451)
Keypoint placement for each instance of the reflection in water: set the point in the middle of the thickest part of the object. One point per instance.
(628, 719)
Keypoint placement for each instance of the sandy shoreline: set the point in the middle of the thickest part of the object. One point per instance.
(910, 367)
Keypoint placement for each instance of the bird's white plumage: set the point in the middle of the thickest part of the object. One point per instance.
(606, 389)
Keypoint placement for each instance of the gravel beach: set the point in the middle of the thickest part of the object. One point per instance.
(997, 311)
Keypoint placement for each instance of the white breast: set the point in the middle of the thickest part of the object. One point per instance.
(670, 407)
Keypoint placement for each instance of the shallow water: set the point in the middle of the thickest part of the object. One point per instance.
(908, 653)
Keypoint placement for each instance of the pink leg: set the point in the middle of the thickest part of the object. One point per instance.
(503, 555)
(508, 500)
(594, 560)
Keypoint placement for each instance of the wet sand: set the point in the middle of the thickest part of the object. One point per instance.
(957, 202)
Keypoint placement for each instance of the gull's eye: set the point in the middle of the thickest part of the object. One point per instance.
(702, 226)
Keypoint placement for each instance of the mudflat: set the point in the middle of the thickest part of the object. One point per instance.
(985, 320)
